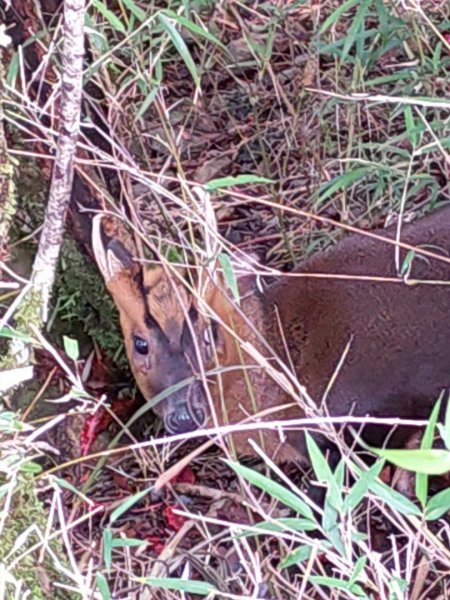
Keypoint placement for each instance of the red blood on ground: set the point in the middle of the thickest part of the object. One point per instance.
(155, 543)
(90, 431)
(173, 521)
(101, 419)
(187, 475)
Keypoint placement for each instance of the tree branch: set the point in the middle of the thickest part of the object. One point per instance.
(46, 260)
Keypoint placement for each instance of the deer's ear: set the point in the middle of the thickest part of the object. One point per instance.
(112, 258)
(118, 269)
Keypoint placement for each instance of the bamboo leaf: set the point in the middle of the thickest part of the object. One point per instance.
(112, 19)
(181, 47)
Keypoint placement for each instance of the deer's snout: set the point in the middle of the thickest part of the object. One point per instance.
(185, 418)
(185, 410)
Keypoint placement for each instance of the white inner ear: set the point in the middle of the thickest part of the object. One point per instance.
(114, 264)
(206, 336)
(107, 261)
(99, 249)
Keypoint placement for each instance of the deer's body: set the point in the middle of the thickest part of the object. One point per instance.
(397, 337)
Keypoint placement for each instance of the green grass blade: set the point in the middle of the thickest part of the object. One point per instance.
(127, 504)
(342, 182)
(438, 505)
(102, 585)
(274, 489)
(202, 588)
(135, 10)
(337, 14)
(196, 29)
(224, 182)
(230, 276)
(112, 19)
(181, 47)
(357, 24)
(427, 444)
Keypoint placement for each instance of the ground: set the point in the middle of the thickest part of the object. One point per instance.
(311, 115)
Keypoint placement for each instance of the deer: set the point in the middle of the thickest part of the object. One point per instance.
(363, 325)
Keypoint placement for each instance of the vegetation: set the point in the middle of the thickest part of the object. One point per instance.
(290, 116)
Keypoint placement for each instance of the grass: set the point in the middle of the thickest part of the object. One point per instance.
(262, 103)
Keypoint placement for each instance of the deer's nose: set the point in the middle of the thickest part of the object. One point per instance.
(184, 419)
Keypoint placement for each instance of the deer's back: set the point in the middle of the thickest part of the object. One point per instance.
(397, 335)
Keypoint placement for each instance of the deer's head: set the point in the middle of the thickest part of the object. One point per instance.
(167, 336)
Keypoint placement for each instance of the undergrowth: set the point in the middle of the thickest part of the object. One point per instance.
(288, 114)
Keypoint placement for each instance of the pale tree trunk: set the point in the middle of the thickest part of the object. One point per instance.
(46, 261)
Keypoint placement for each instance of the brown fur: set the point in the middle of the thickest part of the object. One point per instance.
(168, 302)
(398, 334)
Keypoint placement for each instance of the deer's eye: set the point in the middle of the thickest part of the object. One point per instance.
(140, 345)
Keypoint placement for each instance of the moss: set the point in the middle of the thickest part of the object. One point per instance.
(26, 512)
(83, 304)
(28, 313)
(8, 195)
(28, 208)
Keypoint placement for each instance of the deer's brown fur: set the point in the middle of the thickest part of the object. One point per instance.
(398, 335)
